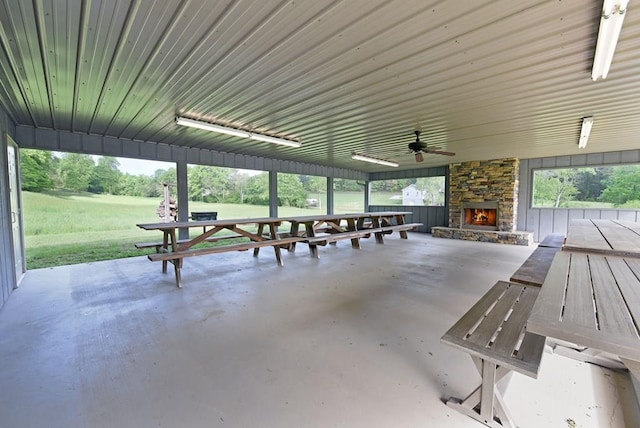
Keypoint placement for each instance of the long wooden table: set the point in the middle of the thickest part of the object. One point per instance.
(610, 237)
(174, 251)
(327, 228)
(591, 295)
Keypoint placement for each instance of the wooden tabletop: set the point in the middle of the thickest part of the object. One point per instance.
(591, 300)
(610, 237)
(265, 220)
(208, 223)
(324, 217)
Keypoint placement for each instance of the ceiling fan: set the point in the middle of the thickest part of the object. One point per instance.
(418, 148)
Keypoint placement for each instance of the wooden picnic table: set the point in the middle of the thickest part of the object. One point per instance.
(174, 251)
(610, 237)
(591, 295)
(322, 229)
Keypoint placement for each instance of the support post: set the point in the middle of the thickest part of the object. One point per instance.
(330, 203)
(183, 196)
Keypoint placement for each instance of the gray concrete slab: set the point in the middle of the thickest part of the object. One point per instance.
(347, 340)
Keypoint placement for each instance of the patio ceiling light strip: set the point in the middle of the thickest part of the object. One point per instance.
(235, 132)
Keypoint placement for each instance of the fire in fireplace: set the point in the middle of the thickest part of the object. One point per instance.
(480, 216)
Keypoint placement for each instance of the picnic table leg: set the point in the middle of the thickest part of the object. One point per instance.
(485, 404)
(177, 266)
(351, 226)
(313, 248)
(260, 230)
(165, 246)
(400, 220)
(293, 232)
(375, 221)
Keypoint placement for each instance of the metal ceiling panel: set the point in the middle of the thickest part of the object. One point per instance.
(485, 79)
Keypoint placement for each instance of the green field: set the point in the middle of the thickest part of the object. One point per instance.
(66, 228)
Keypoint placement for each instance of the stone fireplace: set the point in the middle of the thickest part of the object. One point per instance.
(483, 202)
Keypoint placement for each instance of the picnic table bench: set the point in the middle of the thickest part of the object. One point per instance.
(321, 230)
(493, 333)
(174, 251)
(534, 270)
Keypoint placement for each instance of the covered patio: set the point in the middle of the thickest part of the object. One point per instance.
(348, 340)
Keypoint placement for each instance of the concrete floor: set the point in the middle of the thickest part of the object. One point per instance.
(349, 340)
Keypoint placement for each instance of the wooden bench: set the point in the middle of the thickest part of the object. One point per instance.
(553, 240)
(360, 233)
(176, 257)
(158, 245)
(534, 270)
(493, 333)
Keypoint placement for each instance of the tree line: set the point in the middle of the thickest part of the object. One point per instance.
(617, 185)
(42, 171)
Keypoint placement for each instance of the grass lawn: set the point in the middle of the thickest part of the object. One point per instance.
(65, 228)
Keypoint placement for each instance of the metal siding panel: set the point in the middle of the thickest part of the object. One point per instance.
(112, 146)
(131, 149)
(549, 163)
(193, 156)
(535, 163)
(625, 215)
(70, 142)
(630, 156)
(609, 214)
(178, 153)
(92, 144)
(612, 158)
(533, 223)
(46, 139)
(576, 214)
(149, 151)
(560, 219)
(164, 152)
(563, 161)
(217, 158)
(546, 223)
(204, 157)
(595, 159)
(578, 160)
(595, 214)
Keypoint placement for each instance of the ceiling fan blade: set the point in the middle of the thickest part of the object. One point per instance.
(439, 152)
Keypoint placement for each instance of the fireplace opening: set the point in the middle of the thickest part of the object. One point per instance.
(482, 216)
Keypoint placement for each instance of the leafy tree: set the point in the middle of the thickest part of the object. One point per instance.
(106, 176)
(239, 182)
(291, 192)
(554, 186)
(209, 183)
(257, 190)
(36, 168)
(623, 185)
(591, 182)
(433, 190)
(76, 171)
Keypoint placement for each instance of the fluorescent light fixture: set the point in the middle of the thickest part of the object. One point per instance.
(613, 12)
(373, 159)
(235, 132)
(587, 123)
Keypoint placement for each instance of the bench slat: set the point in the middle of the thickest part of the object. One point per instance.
(221, 249)
(489, 314)
(534, 270)
(216, 238)
(553, 240)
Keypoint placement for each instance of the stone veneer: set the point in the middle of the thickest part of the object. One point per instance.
(485, 181)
